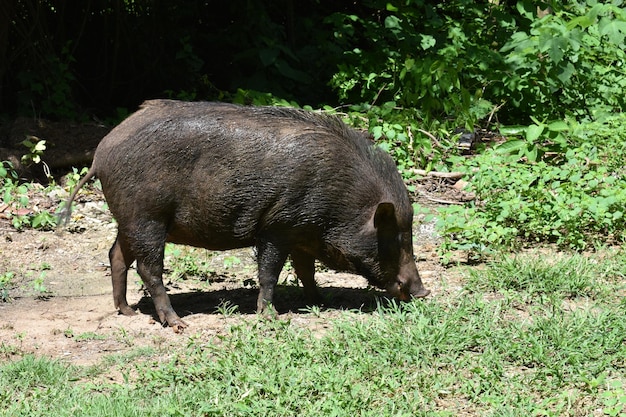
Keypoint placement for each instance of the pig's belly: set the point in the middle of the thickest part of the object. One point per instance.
(213, 240)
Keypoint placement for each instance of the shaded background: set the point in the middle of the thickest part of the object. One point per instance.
(60, 57)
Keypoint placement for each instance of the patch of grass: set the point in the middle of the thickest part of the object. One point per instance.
(468, 354)
(124, 359)
(30, 386)
(184, 262)
(615, 399)
(226, 308)
(8, 350)
(558, 275)
(90, 336)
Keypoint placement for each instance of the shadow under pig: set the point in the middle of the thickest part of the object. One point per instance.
(288, 299)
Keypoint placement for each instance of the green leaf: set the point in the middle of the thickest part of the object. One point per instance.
(427, 42)
(531, 154)
(558, 126)
(557, 47)
(533, 132)
(582, 21)
(566, 73)
(615, 30)
(513, 130)
(511, 146)
(391, 8)
(377, 131)
(392, 22)
(268, 56)
(526, 8)
(40, 146)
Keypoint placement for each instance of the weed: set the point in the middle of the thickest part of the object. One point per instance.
(124, 337)
(90, 336)
(15, 196)
(7, 350)
(38, 286)
(231, 261)
(185, 262)
(35, 148)
(313, 310)
(6, 281)
(74, 177)
(614, 399)
(563, 276)
(226, 308)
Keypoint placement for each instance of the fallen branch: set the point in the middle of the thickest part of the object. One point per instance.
(451, 175)
(440, 201)
(432, 137)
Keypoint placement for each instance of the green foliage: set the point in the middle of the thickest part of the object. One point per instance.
(569, 62)
(462, 61)
(38, 285)
(416, 71)
(185, 262)
(47, 87)
(227, 308)
(615, 399)
(429, 56)
(455, 63)
(231, 261)
(257, 98)
(73, 178)
(6, 281)
(534, 275)
(399, 132)
(15, 196)
(35, 149)
(554, 184)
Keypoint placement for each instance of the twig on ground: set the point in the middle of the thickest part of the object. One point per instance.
(451, 175)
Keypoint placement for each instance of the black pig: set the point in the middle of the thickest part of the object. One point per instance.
(220, 176)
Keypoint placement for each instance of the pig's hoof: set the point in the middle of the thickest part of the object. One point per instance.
(127, 311)
(267, 311)
(178, 326)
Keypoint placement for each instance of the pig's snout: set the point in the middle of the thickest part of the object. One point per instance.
(405, 291)
(420, 293)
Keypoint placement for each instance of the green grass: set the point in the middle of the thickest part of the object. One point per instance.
(529, 336)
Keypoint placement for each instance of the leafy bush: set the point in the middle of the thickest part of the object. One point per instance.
(448, 59)
(525, 193)
(47, 88)
(428, 56)
(570, 61)
(16, 198)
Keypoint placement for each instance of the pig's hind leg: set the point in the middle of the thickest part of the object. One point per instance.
(149, 248)
(121, 258)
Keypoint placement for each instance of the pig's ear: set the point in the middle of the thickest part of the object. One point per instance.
(385, 217)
